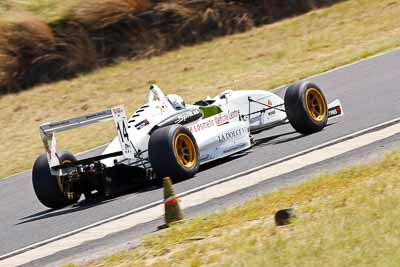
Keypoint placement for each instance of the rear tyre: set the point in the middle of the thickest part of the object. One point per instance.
(306, 107)
(46, 186)
(173, 152)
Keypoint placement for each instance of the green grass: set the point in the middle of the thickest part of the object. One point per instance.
(264, 57)
(349, 218)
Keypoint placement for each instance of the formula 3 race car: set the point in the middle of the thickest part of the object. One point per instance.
(166, 137)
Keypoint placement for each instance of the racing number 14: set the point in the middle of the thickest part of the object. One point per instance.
(123, 133)
(123, 136)
(126, 145)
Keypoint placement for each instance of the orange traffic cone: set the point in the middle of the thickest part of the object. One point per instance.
(173, 212)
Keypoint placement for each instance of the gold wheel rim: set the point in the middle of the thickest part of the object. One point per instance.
(185, 151)
(315, 104)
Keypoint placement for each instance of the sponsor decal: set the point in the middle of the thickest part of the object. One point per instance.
(188, 116)
(202, 125)
(233, 148)
(272, 112)
(90, 116)
(335, 111)
(269, 103)
(206, 157)
(117, 110)
(224, 118)
(217, 120)
(127, 147)
(239, 132)
(255, 119)
(57, 124)
(142, 124)
(162, 108)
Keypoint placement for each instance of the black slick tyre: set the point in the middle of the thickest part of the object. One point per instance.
(46, 186)
(173, 152)
(306, 107)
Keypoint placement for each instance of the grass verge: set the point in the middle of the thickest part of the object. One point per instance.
(89, 34)
(349, 218)
(264, 57)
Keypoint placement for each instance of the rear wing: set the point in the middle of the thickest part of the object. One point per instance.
(48, 133)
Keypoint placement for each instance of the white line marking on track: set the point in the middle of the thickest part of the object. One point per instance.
(203, 194)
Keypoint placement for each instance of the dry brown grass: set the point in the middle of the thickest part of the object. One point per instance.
(99, 32)
(73, 52)
(113, 27)
(24, 44)
(31, 52)
(99, 14)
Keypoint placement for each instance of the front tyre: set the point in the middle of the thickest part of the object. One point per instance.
(173, 152)
(47, 187)
(306, 107)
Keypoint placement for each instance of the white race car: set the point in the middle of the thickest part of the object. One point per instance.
(166, 137)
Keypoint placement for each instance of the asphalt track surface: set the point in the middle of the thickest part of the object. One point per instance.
(369, 91)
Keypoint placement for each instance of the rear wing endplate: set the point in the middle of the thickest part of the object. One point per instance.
(48, 132)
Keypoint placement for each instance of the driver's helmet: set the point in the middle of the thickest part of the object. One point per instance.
(176, 101)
